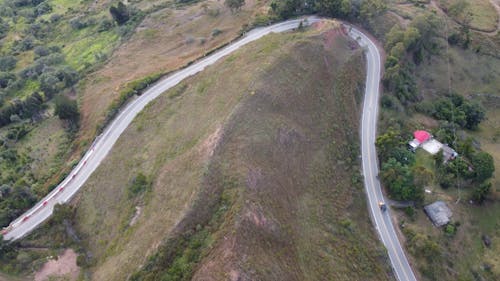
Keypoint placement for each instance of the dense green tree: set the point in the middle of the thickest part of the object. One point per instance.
(120, 13)
(49, 83)
(6, 79)
(371, 8)
(387, 142)
(429, 27)
(399, 181)
(287, 8)
(474, 114)
(66, 109)
(4, 28)
(455, 109)
(481, 192)
(402, 155)
(465, 147)
(483, 166)
(460, 168)
(7, 63)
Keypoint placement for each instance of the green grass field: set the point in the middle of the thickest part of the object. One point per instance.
(481, 13)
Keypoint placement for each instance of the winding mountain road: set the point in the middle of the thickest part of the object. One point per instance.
(381, 219)
(104, 142)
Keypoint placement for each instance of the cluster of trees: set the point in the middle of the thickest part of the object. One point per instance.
(403, 178)
(20, 109)
(364, 11)
(4, 28)
(472, 169)
(407, 48)
(456, 110)
(15, 179)
(46, 76)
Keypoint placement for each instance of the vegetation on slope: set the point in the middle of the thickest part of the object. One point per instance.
(283, 185)
(450, 89)
(262, 154)
(39, 151)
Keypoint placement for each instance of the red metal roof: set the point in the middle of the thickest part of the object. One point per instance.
(422, 136)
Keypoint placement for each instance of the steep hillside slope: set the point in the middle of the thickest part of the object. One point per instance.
(246, 171)
(281, 197)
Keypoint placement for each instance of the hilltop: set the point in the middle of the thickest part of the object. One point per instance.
(248, 169)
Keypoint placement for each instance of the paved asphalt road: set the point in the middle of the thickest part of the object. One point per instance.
(104, 142)
(382, 219)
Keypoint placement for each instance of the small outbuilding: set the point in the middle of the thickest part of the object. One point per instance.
(439, 213)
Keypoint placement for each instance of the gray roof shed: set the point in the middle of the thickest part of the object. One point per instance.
(438, 212)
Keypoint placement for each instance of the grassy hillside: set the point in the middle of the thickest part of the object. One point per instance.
(80, 38)
(255, 157)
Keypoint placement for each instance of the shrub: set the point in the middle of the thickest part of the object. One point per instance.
(119, 13)
(451, 229)
(104, 25)
(41, 51)
(481, 192)
(216, 32)
(139, 184)
(66, 109)
(7, 63)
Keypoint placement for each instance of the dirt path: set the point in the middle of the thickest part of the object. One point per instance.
(65, 267)
(496, 4)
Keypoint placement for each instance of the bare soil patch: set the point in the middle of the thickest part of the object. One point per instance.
(63, 267)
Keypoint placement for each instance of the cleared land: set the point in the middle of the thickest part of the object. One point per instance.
(259, 150)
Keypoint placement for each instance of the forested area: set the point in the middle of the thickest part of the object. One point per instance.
(44, 51)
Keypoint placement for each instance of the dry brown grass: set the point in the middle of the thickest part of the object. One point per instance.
(297, 215)
(164, 41)
(273, 109)
(170, 140)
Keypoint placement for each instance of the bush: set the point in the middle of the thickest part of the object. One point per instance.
(104, 25)
(119, 13)
(216, 32)
(78, 23)
(139, 185)
(451, 229)
(41, 51)
(66, 109)
(481, 192)
(55, 18)
(7, 63)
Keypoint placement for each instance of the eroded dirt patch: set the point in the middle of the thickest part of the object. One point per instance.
(63, 267)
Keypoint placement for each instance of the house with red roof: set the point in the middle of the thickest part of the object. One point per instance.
(425, 140)
(420, 137)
